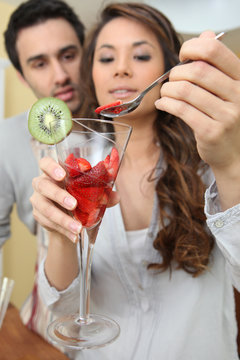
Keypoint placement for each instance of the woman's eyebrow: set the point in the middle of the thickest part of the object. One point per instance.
(142, 42)
(135, 44)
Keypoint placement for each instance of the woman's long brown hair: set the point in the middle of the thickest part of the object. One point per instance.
(183, 238)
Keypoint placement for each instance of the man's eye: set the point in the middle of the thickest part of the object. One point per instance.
(39, 64)
(69, 56)
(142, 57)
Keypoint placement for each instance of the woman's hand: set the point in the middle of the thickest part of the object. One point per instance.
(51, 202)
(206, 95)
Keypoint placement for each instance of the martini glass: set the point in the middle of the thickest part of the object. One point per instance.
(91, 155)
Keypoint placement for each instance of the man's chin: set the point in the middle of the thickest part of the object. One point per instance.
(74, 109)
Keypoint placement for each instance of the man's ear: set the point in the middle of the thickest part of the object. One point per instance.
(22, 79)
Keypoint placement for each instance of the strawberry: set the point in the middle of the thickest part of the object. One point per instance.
(100, 108)
(72, 165)
(81, 216)
(113, 163)
(87, 205)
(87, 219)
(107, 160)
(100, 174)
(93, 218)
(88, 198)
(91, 193)
(95, 177)
(83, 164)
(76, 165)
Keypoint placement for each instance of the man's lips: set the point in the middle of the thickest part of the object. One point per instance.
(65, 95)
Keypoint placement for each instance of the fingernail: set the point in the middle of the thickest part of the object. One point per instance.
(70, 202)
(75, 227)
(59, 173)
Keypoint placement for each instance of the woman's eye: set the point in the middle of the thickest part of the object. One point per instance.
(106, 59)
(142, 57)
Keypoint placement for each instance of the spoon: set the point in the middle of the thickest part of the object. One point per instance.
(119, 109)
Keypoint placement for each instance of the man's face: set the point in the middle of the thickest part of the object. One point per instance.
(50, 55)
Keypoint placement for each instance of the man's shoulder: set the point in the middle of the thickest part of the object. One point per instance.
(14, 130)
(19, 120)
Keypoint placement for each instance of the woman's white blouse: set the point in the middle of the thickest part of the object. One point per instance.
(162, 316)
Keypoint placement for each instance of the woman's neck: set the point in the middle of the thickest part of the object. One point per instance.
(142, 144)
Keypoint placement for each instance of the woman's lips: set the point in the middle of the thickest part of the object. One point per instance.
(123, 93)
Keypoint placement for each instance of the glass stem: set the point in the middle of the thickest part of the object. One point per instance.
(86, 251)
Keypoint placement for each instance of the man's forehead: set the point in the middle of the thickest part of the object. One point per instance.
(47, 38)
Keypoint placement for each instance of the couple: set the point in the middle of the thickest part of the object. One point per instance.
(166, 257)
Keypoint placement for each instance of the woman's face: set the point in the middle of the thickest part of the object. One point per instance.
(127, 59)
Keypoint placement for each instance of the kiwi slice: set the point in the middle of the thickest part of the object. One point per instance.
(42, 113)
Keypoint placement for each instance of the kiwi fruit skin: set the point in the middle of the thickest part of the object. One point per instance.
(42, 112)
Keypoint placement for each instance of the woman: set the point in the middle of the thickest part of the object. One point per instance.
(157, 269)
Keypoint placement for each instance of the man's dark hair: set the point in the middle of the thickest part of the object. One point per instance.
(34, 12)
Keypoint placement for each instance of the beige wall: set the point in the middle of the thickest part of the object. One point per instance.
(19, 252)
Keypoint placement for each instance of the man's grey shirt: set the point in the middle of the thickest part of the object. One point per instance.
(18, 166)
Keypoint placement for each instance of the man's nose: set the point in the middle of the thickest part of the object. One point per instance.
(60, 74)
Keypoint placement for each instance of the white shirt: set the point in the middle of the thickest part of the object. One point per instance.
(161, 316)
(136, 240)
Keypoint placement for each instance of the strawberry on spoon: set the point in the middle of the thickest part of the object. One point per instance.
(103, 107)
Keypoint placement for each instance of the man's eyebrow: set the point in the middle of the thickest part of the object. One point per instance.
(69, 47)
(135, 44)
(61, 51)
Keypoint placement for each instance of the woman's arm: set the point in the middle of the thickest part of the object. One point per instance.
(61, 264)
(51, 204)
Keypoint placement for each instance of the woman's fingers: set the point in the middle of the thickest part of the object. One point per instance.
(207, 77)
(51, 201)
(53, 191)
(48, 215)
(213, 52)
(50, 167)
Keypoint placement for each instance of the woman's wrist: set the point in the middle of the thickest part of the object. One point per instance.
(61, 265)
(228, 185)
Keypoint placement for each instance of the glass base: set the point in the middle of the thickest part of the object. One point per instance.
(73, 333)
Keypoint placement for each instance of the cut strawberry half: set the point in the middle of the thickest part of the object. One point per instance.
(86, 205)
(93, 194)
(113, 163)
(83, 164)
(97, 176)
(72, 165)
(87, 219)
(100, 174)
(76, 165)
(103, 107)
(107, 161)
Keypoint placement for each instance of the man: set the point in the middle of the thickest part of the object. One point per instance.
(44, 41)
